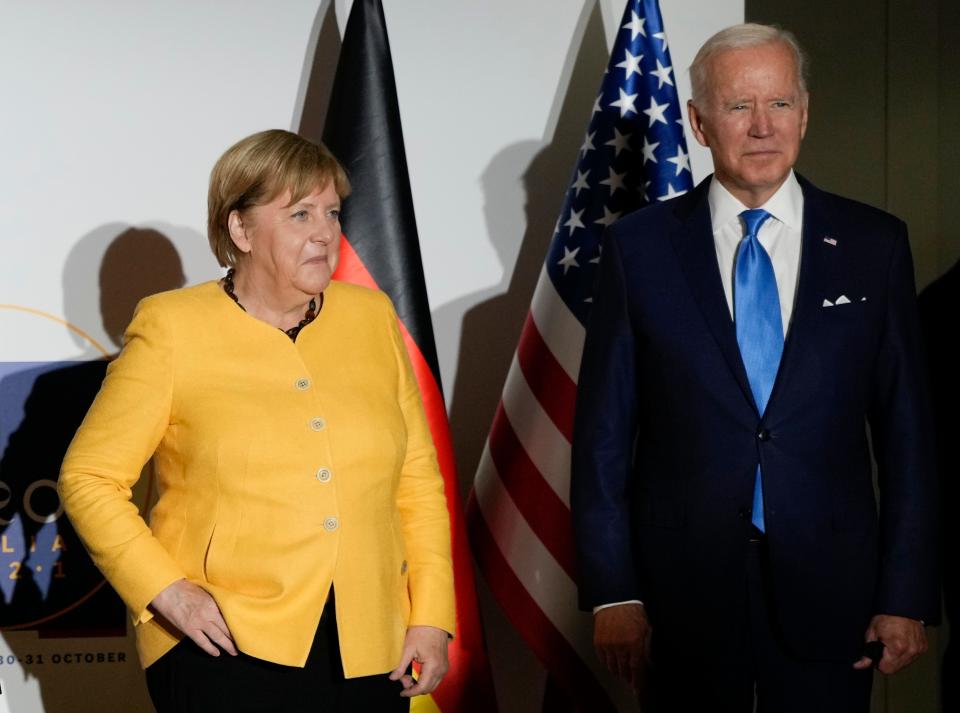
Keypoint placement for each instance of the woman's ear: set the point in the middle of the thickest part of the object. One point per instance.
(238, 231)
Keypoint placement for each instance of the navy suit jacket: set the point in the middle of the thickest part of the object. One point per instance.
(667, 436)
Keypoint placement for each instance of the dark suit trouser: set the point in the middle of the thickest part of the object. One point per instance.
(687, 679)
(188, 680)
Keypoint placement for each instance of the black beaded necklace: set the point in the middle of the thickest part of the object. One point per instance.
(312, 309)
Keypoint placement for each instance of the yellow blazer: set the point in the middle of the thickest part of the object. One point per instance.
(282, 468)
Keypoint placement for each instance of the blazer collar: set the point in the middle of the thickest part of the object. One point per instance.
(693, 242)
(818, 253)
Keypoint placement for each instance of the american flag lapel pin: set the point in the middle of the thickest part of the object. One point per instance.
(830, 241)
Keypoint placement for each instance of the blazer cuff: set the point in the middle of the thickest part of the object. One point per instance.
(616, 604)
(139, 584)
(444, 617)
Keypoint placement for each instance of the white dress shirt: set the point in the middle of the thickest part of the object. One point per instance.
(780, 235)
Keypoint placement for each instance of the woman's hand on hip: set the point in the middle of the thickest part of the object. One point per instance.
(427, 645)
(194, 612)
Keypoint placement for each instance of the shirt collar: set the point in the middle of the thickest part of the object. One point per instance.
(786, 205)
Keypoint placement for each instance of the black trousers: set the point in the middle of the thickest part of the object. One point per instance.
(188, 680)
(757, 668)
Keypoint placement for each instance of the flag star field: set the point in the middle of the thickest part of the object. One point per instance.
(635, 136)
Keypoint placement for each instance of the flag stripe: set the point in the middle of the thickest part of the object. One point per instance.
(551, 385)
(364, 112)
(350, 267)
(533, 566)
(538, 631)
(547, 447)
(561, 331)
(546, 514)
(543, 578)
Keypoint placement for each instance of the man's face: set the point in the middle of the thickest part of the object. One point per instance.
(752, 118)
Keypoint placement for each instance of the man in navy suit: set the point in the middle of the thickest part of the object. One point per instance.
(749, 342)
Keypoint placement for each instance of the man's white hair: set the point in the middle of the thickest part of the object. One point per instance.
(739, 37)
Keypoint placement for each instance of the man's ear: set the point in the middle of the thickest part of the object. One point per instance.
(238, 231)
(805, 108)
(696, 123)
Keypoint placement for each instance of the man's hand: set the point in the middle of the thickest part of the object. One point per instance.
(903, 641)
(194, 612)
(427, 645)
(621, 635)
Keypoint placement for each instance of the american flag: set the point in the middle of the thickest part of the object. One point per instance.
(633, 152)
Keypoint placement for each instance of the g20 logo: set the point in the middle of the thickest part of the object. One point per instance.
(45, 573)
(41, 554)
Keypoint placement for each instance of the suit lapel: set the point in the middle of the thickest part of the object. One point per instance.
(815, 264)
(694, 245)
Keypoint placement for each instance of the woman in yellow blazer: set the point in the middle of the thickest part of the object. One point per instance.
(293, 461)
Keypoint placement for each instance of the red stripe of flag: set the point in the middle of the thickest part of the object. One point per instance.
(546, 641)
(547, 515)
(451, 696)
(351, 269)
(553, 387)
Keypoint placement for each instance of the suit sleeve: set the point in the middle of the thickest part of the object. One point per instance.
(902, 433)
(423, 506)
(118, 436)
(603, 439)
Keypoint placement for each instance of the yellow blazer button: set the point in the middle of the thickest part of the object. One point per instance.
(331, 524)
(324, 474)
(403, 567)
(303, 384)
(318, 424)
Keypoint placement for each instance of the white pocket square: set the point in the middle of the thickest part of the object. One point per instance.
(841, 300)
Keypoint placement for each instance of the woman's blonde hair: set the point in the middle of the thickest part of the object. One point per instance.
(256, 170)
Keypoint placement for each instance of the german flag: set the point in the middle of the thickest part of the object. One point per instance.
(381, 250)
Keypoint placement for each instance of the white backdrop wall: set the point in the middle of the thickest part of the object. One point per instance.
(112, 114)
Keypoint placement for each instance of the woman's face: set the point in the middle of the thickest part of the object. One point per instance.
(291, 245)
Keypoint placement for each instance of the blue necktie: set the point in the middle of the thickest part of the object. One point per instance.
(756, 314)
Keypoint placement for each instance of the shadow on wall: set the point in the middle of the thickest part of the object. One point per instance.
(49, 588)
(130, 263)
(939, 305)
(523, 185)
(316, 79)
